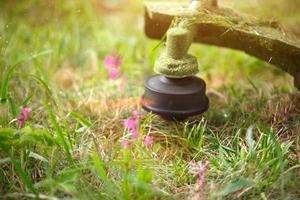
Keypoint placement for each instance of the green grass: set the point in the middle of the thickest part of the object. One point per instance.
(51, 60)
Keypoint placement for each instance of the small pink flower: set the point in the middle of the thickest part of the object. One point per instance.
(148, 141)
(198, 169)
(112, 61)
(131, 124)
(135, 134)
(125, 144)
(113, 65)
(135, 114)
(114, 73)
(24, 116)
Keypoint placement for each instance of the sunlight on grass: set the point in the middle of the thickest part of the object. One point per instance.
(52, 61)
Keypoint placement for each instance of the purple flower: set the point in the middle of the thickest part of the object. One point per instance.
(135, 134)
(131, 124)
(114, 73)
(113, 65)
(24, 116)
(125, 144)
(198, 169)
(112, 61)
(135, 114)
(148, 141)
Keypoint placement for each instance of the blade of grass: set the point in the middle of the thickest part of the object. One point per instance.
(41, 82)
(80, 119)
(12, 107)
(250, 141)
(24, 176)
(233, 187)
(27, 99)
(7, 77)
(100, 167)
(59, 132)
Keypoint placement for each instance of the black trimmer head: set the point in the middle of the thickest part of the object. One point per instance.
(175, 98)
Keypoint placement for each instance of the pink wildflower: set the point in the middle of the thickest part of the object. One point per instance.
(125, 144)
(113, 65)
(112, 61)
(131, 124)
(148, 141)
(135, 134)
(114, 73)
(24, 116)
(199, 169)
(135, 114)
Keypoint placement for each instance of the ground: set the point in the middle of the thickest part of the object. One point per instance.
(72, 146)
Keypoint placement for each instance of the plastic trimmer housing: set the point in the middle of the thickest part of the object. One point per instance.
(174, 98)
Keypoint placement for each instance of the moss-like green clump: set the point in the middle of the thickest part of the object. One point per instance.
(174, 61)
(174, 68)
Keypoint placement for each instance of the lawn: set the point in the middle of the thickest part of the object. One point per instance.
(67, 120)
